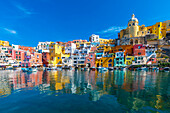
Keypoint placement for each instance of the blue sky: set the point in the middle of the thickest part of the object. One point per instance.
(26, 22)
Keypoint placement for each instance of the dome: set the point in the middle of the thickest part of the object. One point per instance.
(133, 18)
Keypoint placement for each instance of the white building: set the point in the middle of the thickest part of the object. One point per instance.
(79, 55)
(43, 45)
(70, 49)
(94, 38)
(15, 47)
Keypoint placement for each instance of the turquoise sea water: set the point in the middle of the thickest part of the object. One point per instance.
(84, 92)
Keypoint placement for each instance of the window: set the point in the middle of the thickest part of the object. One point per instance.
(133, 24)
(37, 56)
(128, 58)
(158, 26)
(120, 62)
(138, 47)
(139, 53)
(110, 60)
(88, 60)
(129, 24)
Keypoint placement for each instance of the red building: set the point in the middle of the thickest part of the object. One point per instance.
(45, 59)
(139, 50)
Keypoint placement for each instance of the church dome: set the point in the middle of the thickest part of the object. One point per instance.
(133, 18)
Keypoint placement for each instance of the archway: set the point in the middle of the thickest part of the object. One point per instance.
(131, 41)
(136, 41)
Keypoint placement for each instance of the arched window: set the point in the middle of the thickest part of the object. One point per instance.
(136, 41)
(129, 24)
(110, 60)
(131, 42)
(133, 24)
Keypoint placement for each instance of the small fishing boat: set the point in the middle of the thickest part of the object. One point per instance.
(155, 68)
(32, 69)
(86, 69)
(111, 68)
(93, 68)
(48, 68)
(166, 69)
(25, 69)
(9, 68)
(142, 68)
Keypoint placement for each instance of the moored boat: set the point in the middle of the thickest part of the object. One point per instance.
(110, 68)
(166, 69)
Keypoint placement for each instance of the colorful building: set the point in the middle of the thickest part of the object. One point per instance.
(4, 43)
(134, 30)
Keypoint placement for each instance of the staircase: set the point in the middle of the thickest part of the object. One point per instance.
(153, 54)
(106, 60)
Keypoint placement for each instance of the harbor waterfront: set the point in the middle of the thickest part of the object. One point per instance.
(84, 91)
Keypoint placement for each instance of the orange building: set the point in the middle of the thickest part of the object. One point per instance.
(30, 49)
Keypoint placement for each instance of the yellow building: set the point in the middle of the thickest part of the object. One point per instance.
(106, 61)
(104, 47)
(129, 59)
(4, 43)
(103, 41)
(57, 54)
(134, 30)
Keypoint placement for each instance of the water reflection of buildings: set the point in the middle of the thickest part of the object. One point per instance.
(11, 81)
(135, 89)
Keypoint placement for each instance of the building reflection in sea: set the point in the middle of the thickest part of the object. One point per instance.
(135, 89)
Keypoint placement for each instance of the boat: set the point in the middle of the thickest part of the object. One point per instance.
(86, 69)
(49, 68)
(98, 68)
(93, 68)
(103, 69)
(166, 69)
(161, 69)
(24, 69)
(29, 69)
(111, 68)
(59, 68)
(155, 68)
(54, 68)
(142, 68)
(9, 68)
(32, 69)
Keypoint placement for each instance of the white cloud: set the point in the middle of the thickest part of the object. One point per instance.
(114, 29)
(23, 9)
(10, 31)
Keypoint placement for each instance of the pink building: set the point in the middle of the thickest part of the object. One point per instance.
(90, 60)
(30, 60)
(17, 55)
